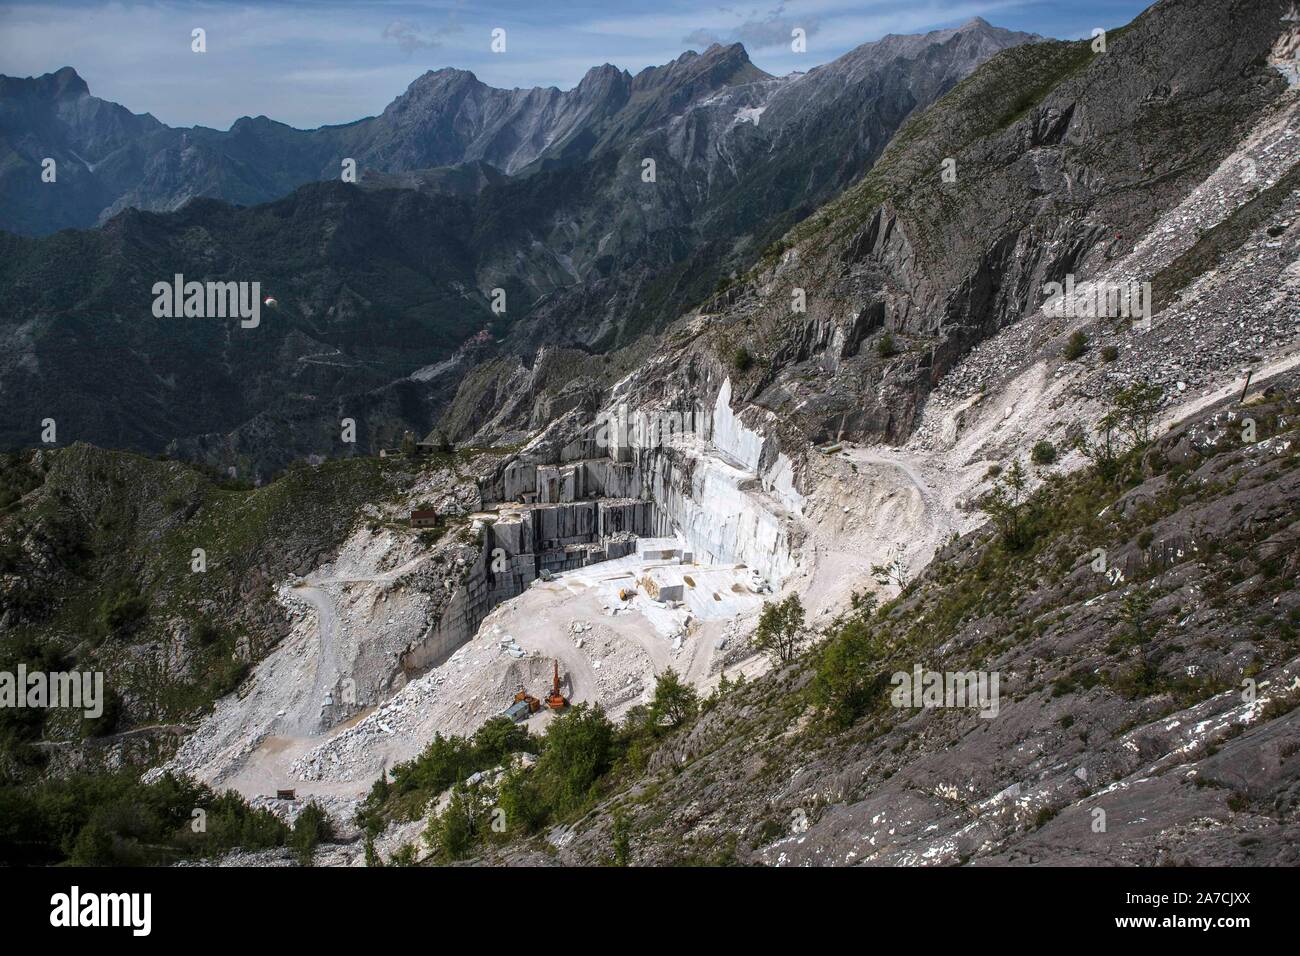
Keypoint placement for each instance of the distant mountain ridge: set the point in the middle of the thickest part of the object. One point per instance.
(378, 281)
(110, 158)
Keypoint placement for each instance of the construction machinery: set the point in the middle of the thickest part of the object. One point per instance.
(556, 700)
(523, 706)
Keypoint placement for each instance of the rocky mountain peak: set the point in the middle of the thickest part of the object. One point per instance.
(437, 83)
(717, 66)
(62, 83)
(68, 82)
(602, 78)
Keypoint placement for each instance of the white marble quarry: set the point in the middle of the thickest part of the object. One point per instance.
(661, 490)
(731, 437)
(658, 549)
(701, 467)
(746, 447)
(684, 591)
(724, 523)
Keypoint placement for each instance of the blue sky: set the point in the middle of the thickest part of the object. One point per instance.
(312, 62)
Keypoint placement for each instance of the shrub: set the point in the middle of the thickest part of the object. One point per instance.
(886, 347)
(312, 826)
(1109, 353)
(1044, 453)
(579, 751)
(741, 360)
(521, 802)
(404, 855)
(455, 831)
(122, 613)
(622, 838)
(1044, 816)
(207, 633)
(226, 674)
(107, 721)
(1076, 346)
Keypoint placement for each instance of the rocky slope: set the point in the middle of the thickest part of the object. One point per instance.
(1064, 158)
(99, 572)
(1147, 714)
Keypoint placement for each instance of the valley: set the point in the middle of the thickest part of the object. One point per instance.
(878, 417)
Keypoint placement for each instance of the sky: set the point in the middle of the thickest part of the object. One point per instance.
(315, 62)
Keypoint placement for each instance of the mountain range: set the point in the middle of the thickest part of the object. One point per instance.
(463, 190)
(110, 159)
(755, 443)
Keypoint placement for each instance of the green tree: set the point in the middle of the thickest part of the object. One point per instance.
(109, 716)
(621, 838)
(780, 631)
(1131, 616)
(404, 855)
(863, 603)
(580, 749)
(1125, 428)
(849, 676)
(674, 701)
(1009, 508)
(1136, 408)
(520, 799)
(496, 740)
(454, 832)
(122, 613)
(897, 570)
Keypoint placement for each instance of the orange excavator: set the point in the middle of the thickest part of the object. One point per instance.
(556, 700)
